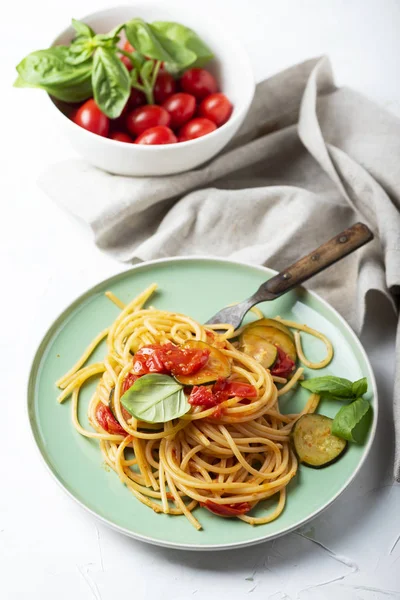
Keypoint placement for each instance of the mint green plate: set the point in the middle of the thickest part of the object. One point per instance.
(198, 287)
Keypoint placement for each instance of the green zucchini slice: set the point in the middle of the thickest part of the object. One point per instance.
(261, 350)
(274, 336)
(272, 323)
(218, 365)
(314, 443)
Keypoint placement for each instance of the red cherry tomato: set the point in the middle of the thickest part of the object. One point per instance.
(227, 510)
(284, 365)
(196, 128)
(217, 108)
(107, 420)
(181, 107)
(127, 62)
(164, 87)
(120, 136)
(136, 98)
(198, 82)
(128, 47)
(90, 117)
(155, 136)
(145, 117)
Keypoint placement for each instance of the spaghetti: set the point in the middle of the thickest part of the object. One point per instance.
(228, 457)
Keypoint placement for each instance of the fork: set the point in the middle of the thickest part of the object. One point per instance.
(326, 255)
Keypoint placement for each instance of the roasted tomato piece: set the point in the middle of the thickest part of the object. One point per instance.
(184, 361)
(107, 420)
(149, 360)
(227, 510)
(202, 396)
(224, 389)
(284, 365)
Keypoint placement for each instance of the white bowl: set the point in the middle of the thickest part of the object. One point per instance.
(232, 68)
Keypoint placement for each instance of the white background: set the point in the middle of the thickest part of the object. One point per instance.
(50, 548)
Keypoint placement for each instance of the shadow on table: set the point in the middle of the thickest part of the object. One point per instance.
(355, 508)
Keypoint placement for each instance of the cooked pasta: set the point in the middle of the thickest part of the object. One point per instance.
(227, 456)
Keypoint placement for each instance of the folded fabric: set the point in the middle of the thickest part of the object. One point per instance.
(310, 160)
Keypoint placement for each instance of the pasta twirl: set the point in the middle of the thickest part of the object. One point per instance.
(227, 458)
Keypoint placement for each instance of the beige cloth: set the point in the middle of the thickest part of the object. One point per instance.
(309, 161)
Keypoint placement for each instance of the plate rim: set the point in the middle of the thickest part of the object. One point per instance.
(152, 540)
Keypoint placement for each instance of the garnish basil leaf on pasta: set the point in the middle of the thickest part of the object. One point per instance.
(352, 421)
(155, 398)
(336, 388)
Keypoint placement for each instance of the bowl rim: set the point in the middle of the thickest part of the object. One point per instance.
(240, 114)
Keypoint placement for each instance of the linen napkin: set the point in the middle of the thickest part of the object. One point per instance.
(310, 160)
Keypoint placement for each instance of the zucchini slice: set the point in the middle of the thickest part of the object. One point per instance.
(218, 365)
(111, 404)
(261, 350)
(272, 323)
(314, 443)
(272, 335)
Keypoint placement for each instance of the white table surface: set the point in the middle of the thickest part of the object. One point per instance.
(49, 547)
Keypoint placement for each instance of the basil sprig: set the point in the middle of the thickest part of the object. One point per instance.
(155, 398)
(336, 388)
(352, 421)
(91, 65)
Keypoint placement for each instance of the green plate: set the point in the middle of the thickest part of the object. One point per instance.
(198, 287)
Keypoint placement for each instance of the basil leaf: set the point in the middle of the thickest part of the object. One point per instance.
(111, 82)
(329, 385)
(187, 38)
(111, 35)
(148, 41)
(155, 398)
(49, 67)
(352, 421)
(69, 93)
(79, 51)
(82, 29)
(359, 387)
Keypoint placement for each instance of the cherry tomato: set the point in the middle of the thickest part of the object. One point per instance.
(90, 117)
(184, 361)
(128, 47)
(145, 117)
(155, 136)
(196, 128)
(202, 396)
(181, 107)
(107, 420)
(284, 365)
(198, 82)
(217, 108)
(120, 136)
(164, 87)
(227, 510)
(136, 98)
(127, 62)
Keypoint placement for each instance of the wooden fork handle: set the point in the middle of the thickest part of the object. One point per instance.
(326, 255)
